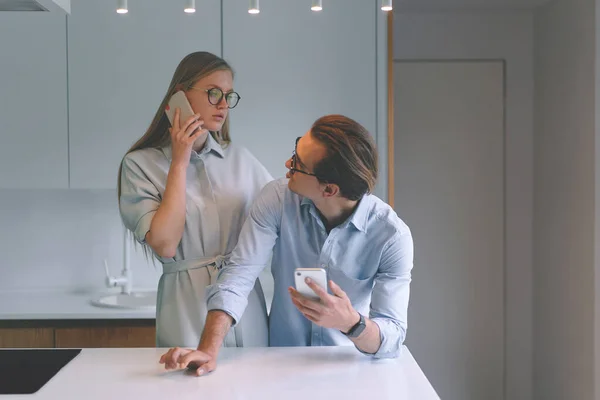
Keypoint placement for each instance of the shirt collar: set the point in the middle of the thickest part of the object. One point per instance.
(359, 216)
(361, 213)
(211, 146)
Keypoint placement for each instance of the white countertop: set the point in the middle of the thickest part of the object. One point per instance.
(61, 305)
(306, 373)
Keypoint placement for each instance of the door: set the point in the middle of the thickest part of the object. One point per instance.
(449, 189)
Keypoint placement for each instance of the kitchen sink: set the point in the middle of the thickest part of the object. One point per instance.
(136, 300)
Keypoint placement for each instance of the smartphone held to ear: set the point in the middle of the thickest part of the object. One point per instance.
(317, 275)
(178, 100)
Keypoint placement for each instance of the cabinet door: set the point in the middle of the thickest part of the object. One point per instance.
(120, 67)
(26, 337)
(105, 336)
(294, 65)
(33, 101)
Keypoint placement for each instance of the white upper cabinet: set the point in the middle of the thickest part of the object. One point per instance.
(33, 101)
(294, 65)
(120, 67)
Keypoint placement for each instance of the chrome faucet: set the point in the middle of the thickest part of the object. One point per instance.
(125, 279)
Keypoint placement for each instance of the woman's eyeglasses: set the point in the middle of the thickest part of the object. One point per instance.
(215, 95)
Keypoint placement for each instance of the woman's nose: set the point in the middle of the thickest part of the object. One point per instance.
(222, 104)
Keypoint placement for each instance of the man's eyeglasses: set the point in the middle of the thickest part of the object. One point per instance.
(215, 95)
(293, 168)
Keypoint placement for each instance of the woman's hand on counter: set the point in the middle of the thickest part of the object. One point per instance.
(196, 361)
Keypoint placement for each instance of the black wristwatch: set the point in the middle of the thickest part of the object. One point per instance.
(358, 328)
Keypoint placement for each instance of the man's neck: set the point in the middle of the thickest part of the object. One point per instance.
(335, 211)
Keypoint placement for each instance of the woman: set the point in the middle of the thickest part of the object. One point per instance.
(184, 191)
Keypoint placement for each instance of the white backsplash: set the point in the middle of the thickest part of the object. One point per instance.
(58, 240)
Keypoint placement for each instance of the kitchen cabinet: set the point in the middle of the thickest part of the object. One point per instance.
(26, 337)
(294, 65)
(120, 336)
(120, 67)
(33, 101)
(77, 333)
(79, 90)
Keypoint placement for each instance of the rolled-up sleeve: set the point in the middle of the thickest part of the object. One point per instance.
(255, 244)
(389, 300)
(139, 199)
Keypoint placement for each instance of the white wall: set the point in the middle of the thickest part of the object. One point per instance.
(564, 200)
(507, 36)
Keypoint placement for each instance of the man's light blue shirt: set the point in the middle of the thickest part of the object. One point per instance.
(370, 256)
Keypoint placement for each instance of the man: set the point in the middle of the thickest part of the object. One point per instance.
(322, 216)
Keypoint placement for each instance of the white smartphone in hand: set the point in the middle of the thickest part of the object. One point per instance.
(178, 100)
(318, 276)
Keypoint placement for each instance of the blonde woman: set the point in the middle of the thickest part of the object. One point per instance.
(184, 192)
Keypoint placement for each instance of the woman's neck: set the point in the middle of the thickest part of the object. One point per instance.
(200, 142)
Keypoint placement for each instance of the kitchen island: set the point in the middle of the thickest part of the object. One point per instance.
(306, 373)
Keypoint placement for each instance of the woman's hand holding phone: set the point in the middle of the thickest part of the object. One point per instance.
(184, 136)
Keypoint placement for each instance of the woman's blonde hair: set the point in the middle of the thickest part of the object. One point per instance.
(192, 68)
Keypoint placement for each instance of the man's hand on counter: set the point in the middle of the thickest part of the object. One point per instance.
(196, 361)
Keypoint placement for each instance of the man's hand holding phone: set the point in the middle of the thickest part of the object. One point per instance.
(327, 310)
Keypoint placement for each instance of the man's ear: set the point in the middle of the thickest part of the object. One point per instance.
(331, 190)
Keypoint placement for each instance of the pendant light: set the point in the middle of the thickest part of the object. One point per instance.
(254, 7)
(122, 7)
(190, 6)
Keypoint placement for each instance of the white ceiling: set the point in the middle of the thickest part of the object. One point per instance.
(433, 5)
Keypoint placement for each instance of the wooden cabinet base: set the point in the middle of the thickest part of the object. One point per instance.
(26, 337)
(105, 337)
(77, 333)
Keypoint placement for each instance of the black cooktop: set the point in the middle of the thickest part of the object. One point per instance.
(26, 371)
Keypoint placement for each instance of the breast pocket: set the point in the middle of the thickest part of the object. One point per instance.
(357, 290)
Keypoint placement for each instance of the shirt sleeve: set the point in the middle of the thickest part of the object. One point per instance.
(389, 300)
(139, 199)
(257, 238)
